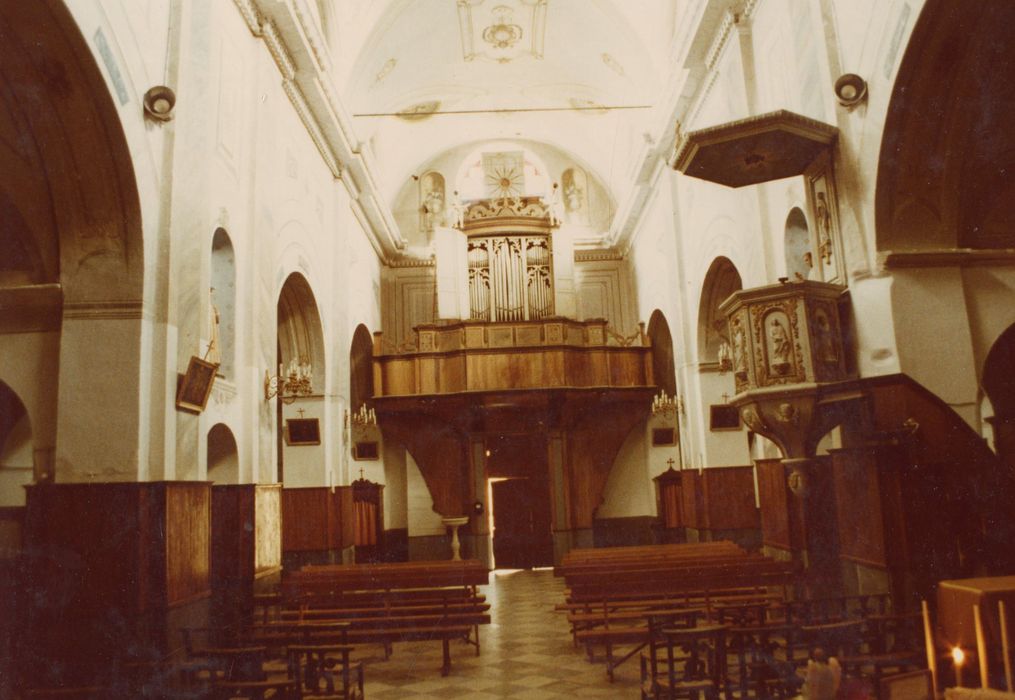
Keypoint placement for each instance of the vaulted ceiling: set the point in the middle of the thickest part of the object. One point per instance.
(424, 76)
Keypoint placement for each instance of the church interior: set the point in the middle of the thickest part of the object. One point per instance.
(627, 301)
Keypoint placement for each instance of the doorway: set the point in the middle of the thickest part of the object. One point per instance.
(519, 497)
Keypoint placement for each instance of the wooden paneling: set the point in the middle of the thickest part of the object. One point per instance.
(267, 528)
(188, 537)
(858, 506)
(692, 499)
(775, 525)
(316, 519)
(729, 498)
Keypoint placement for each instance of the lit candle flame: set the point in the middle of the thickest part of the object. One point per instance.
(958, 656)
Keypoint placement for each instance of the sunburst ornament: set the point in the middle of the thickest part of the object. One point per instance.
(505, 181)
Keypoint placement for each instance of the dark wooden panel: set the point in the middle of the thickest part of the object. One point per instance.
(188, 539)
(690, 488)
(858, 507)
(347, 516)
(774, 503)
(311, 520)
(729, 498)
(232, 542)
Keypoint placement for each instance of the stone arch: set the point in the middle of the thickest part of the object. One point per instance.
(16, 447)
(721, 280)
(947, 155)
(797, 247)
(999, 386)
(223, 456)
(300, 332)
(663, 361)
(223, 301)
(361, 369)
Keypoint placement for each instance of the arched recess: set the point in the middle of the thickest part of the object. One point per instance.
(663, 367)
(223, 303)
(223, 457)
(300, 333)
(999, 385)
(721, 280)
(301, 343)
(16, 448)
(945, 177)
(797, 247)
(361, 368)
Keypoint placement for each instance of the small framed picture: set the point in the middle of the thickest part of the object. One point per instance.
(365, 451)
(663, 436)
(302, 431)
(194, 389)
(723, 417)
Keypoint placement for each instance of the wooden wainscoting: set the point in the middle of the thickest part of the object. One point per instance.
(317, 519)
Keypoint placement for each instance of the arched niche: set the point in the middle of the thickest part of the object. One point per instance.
(223, 457)
(662, 353)
(721, 280)
(16, 448)
(361, 369)
(945, 176)
(222, 315)
(797, 247)
(300, 333)
(574, 187)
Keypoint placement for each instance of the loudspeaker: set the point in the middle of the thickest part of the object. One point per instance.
(159, 102)
(850, 90)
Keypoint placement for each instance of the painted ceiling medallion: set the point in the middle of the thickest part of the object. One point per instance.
(502, 35)
(418, 111)
(385, 70)
(502, 30)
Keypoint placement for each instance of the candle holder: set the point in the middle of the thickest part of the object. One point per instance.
(296, 381)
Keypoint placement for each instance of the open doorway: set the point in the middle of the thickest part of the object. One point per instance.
(519, 498)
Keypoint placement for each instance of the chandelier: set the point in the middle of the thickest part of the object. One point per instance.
(294, 382)
(666, 406)
(361, 418)
(725, 357)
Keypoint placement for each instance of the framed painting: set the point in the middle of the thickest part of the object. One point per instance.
(302, 431)
(194, 389)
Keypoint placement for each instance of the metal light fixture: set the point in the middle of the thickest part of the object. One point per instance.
(667, 406)
(725, 358)
(295, 381)
(850, 90)
(159, 102)
(362, 418)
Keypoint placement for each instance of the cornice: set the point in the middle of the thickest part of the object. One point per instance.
(297, 47)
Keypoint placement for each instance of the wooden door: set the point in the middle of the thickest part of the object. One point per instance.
(521, 520)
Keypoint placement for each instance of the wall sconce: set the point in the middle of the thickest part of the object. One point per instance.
(159, 102)
(667, 406)
(288, 387)
(850, 90)
(362, 418)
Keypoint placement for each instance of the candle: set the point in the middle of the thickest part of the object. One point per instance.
(958, 656)
(1005, 652)
(928, 637)
(981, 647)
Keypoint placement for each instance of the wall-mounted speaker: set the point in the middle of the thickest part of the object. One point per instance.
(159, 102)
(850, 90)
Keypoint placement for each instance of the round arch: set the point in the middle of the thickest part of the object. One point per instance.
(16, 447)
(663, 361)
(361, 370)
(947, 154)
(223, 456)
(300, 332)
(797, 246)
(721, 280)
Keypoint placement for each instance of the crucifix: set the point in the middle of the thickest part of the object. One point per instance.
(670, 462)
(725, 398)
(300, 411)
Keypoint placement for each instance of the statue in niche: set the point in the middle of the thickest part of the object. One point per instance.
(574, 183)
(213, 354)
(812, 272)
(824, 339)
(739, 352)
(780, 351)
(553, 206)
(824, 216)
(457, 212)
(431, 195)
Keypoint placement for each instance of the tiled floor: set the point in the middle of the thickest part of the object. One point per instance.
(525, 653)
